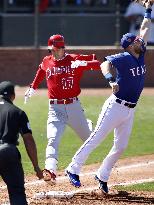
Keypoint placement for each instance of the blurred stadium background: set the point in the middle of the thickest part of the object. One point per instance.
(89, 26)
(82, 22)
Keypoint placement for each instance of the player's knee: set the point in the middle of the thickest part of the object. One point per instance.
(121, 148)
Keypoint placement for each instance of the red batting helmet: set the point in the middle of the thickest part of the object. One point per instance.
(56, 41)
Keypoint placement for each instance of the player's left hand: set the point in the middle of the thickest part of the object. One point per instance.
(145, 3)
(114, 86)
(77, 63)
(148, 3)
(29, 94)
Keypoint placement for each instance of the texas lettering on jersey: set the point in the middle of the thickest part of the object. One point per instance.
(138, 71)
(134, 71)
(62, 80)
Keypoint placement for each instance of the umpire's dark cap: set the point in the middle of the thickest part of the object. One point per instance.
(127, 39)
(6, 88)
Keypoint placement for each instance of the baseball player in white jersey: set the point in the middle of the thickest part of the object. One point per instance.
(63, 81)
(118, 110)
(134, 15)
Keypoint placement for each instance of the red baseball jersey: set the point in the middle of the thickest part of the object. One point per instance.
(62, 80)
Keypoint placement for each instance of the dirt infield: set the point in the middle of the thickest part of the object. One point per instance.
(129, 170)
(84, 91)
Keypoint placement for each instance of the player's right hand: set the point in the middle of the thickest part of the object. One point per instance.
(77, 63)
(114, 86)
(29, 94)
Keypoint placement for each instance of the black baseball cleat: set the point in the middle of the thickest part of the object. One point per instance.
(74, 179)
(102, 185)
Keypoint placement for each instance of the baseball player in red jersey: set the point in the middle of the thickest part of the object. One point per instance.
(63, 72)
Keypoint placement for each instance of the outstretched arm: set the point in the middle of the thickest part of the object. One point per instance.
(86, 65)
(40, 75)
(146, 23)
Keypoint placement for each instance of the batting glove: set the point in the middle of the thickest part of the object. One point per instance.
(77, 63)
(114, 86)
(29, 94)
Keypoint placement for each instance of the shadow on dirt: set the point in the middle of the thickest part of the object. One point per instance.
(122, 197)
(96, 197)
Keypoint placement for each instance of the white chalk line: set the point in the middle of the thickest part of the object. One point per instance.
(137, 165)
(63, 194)
(139, 181)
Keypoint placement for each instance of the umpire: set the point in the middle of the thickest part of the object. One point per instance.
(12, 122)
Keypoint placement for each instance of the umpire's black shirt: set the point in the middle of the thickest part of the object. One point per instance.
(12, 122)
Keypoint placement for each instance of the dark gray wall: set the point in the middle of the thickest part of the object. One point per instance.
(78, 29)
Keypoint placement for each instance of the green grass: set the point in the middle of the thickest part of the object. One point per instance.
(141, 141)
(137, 187)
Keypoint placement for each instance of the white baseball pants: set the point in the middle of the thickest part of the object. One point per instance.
(113, 116)
(59, 116)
